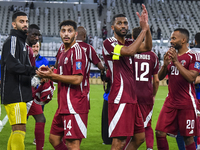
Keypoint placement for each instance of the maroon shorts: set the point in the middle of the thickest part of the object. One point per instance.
(147, 111)
(33, 108)
(124, 120)
(70, 126)
(171, 120)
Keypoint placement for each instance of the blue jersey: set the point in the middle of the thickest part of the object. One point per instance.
(40, 60)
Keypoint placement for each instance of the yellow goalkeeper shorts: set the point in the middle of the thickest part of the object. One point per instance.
(17, 113)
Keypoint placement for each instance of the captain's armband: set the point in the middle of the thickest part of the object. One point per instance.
(116, 52)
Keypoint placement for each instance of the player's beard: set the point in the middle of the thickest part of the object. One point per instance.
(118, 32)
(177, 46)
(71, 40)
(21, 29)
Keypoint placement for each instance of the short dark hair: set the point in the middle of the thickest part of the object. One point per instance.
(116, 16)
(197, 38)
(33, 26)
(184, 31)
(69, 23)
(19, 13)
(136, 31)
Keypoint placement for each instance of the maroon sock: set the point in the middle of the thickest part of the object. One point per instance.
(191, 146)
(149, 137)
(61, 146)
(39, 135)
(162, 143)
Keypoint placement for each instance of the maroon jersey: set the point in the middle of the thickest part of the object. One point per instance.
(122, 73)
(92, 58)
(72, 99)
(146, 65)
(62, 47)
(182, 93)
(31, 55)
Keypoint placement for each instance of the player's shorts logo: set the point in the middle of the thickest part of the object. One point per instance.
(78, 65)
(68, 133)
(191, 132)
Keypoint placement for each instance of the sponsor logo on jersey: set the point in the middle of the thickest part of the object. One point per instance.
(197, 65)
(183, 62)
(78, 65)
(68, 133)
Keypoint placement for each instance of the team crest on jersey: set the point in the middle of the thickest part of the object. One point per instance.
(183, 62)
(78, 65)
(197, 65)
(66, 60)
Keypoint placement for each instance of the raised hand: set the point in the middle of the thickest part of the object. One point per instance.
(143, 18)
(167, 59)
(173, 54)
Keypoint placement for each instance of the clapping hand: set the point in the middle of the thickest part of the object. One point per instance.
(44, 72)
(173, 54)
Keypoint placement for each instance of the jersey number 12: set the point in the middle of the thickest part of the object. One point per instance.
(143, 67)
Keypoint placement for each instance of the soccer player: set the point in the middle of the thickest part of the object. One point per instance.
(197, 82)
(146, 67)
(34, 109)
(16, 73)
(179, 111)
(123, 111)
(90, 53)
(39, 60)
(179, 138)
(70, 119)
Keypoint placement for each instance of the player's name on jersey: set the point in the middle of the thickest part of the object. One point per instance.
(142, 56)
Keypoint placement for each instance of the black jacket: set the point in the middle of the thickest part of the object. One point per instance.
(16, 70)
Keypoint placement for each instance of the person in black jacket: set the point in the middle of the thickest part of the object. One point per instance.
(16, 73)
(105, 77)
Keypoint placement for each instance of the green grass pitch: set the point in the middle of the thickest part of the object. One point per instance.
(93, 140)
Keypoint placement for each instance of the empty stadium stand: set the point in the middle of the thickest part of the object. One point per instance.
(167, 15)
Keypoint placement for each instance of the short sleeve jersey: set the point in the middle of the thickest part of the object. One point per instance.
(92, 58)
(146, 65)
(182, 93)
(72, 98)
(122, 73)
(62, 47)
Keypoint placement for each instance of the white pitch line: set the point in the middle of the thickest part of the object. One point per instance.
(4, 121)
